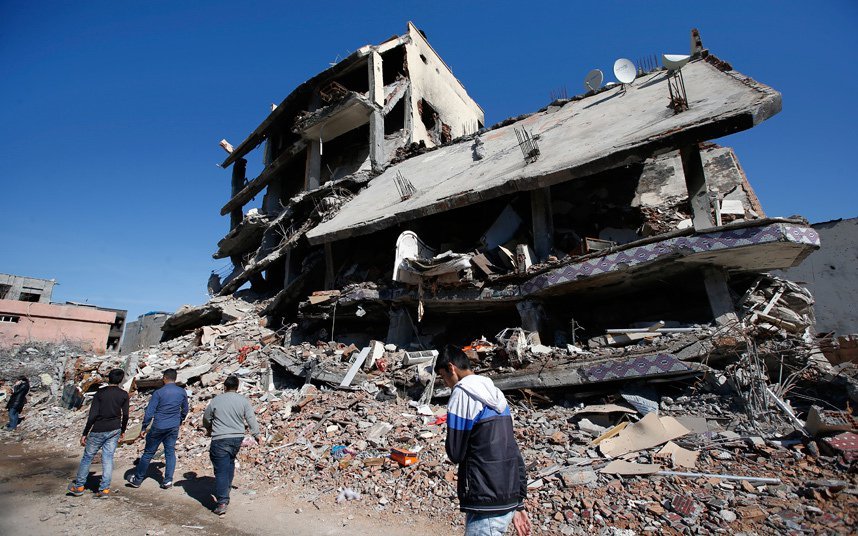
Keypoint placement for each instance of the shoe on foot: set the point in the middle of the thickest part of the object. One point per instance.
(77, 491)
(133, 482)
(220, 509)
(104, 493)
(167, 485)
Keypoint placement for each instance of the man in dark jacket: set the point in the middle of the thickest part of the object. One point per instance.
(492, 481)
(105, 428)
(16, 402)
(168, 407)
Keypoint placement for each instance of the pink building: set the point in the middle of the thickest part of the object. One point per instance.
(22, 322)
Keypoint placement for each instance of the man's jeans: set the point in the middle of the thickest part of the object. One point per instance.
(222, 453)
(487, 524)
(106, 442)
(14, 419)
(154, 438)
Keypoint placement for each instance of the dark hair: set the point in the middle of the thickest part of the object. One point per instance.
(452, 355)
(23, 379)
(171, 374)
(115, 376)
(231, 383)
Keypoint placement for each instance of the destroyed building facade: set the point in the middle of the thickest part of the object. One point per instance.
(27, 315)
(609, 209)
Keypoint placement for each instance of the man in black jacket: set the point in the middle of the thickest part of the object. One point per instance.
(492, 483)
(105, 428)
(16, 402)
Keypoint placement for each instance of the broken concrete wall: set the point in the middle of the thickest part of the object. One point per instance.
(29, 289)
(662, 188)
(831, 275)
(434, 83)
(143, 332)
(86, 327)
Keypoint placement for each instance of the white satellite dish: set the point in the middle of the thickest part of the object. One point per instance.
(625, 70)
(593, 80)
(674, 62)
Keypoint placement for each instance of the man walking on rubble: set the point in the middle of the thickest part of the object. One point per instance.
(492, 479)
(225, 419)
(105, 428)
(16, 402)
(168, 407)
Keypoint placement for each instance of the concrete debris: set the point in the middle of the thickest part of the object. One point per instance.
(319, 438)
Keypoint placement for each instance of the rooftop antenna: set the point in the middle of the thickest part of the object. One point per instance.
(625, 71)
(593, 80)
(675, 81)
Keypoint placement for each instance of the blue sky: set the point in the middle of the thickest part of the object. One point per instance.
(112, 111)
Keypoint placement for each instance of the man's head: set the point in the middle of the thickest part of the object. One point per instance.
(170, 375)
(452, 365)
(231, 383)
(23, 379)
(115, 376)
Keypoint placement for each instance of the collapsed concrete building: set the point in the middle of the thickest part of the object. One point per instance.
(599, 259)
(390, 213)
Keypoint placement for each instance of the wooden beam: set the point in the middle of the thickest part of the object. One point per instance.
(256, 185)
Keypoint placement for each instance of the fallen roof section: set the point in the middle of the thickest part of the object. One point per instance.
(609, 129)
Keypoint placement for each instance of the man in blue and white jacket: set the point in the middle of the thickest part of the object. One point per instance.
(492, 482)
(167, 408)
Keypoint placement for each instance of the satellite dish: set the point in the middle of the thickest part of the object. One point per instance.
(593, 80)
(674, 62)
(625, 70)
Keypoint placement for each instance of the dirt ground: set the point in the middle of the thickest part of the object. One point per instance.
(33, 500)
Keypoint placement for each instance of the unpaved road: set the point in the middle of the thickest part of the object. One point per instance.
(33, 501)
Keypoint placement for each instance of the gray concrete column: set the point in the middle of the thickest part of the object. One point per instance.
(376, 121)
(698, 189)
(534, 318)
(723, 310)
(399, 331)
(313, 172)
(239, 171)
(543, 222)
(329, 266)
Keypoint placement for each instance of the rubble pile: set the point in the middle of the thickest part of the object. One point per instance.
(43, 364)
(686, 454)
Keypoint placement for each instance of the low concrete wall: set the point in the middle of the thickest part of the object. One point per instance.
(21, 322)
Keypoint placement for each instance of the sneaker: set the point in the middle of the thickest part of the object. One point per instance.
(104, 493)
(133, 482)
(167, 485)
(77, 491)
(220, 509)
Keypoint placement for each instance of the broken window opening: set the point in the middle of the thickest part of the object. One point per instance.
(291, 177)
(29, 297)
(354, 80)
(9, 319)
(393, 65)
(428, 115)
(4, 291)
(597, 207)
(345, 154)
(672, 294)
(395, 120)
